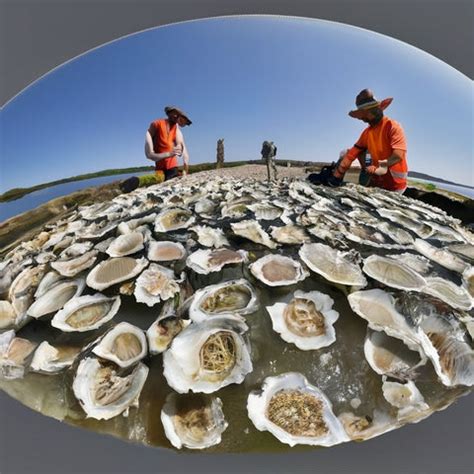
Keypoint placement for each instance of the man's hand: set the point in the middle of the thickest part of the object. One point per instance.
(177, 150)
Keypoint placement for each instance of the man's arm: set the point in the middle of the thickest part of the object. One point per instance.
(396, 157)
(184, 151)
(149, 151)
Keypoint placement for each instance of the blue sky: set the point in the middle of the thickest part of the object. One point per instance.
(244, 79)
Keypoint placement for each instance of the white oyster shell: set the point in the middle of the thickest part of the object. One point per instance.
(165, 251)
(306, 320)
(439, 255)
(406, 397)
(230, 298)
(51, 359)
(332, 264)
(393, 273)
(278, 270)
(389, 356)
(126, 244)
(207, 261)
(303, 412)
(447, 291)
(56, 297)
(15, 353)
(290, 234)
(173, 218)
(72, 267)
(162, 332)
(86, 313)
(114, 270)
(210, 237)
(193, 424)
(103, 392)
(125, 344)
(253, 231)
(207, 356)
(155, 284)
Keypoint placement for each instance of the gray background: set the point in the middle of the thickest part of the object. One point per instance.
(37, 36)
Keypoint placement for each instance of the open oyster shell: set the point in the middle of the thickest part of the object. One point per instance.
(86, 313)
(15, 354)
(155, 284)
(207, 261)
(165, 251)
(56, 297)
(50, 359)
(125, 344)
(230, 298)
(306, 320)
(210, 237)
(193, 421)
(207, 356)
(295, 412)
(72, 267)
(253, 231)
(441, 256)
(104, 391)
(392, 273)
(173, 218)
(406, 397)
(389, 356)
(278, 270)
(332, 264)
(126, 244)
(114, 270)
(447, 291)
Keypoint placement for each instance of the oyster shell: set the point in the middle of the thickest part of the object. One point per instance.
(306, 320)
(210, 237)
(406, 397)
(165, 251)
(126, 244)
(56, 297)
(253, 231)
(103, 391)
(393, 273)
(125, 344)
(114, 270)
(441, 256)
(23, 287)
(86, 313)
(15, 353)
(207, 261)
(162, 332)
(278, 270)
(389, 356)
(173, 218)
(447, 291)
(70, 268)
(332, 264)
(290, 234)
(468, 280)
(224, 299)
(193, 421)
(9, 319)
(50, 359)
(155, 284)
(295, 412)
(207, 356)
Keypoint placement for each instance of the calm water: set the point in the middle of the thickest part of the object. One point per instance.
(35, 199)
(464, 191)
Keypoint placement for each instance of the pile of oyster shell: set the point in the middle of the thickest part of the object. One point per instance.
(220, 309)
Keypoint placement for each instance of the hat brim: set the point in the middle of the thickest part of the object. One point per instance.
(361, 113)
(168, 110)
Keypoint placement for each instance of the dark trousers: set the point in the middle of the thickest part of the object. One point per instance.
(171, 173)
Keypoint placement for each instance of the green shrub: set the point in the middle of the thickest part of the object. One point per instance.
(148, 180)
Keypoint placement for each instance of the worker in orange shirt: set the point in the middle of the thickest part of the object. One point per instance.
(164, 143)
(383, 139)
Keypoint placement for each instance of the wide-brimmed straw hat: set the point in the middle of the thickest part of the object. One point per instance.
(365, 100)
(171, 108)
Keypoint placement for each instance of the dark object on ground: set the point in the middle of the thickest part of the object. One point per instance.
(130, 184)
(325, 176)
(464, 211)
(220, 153)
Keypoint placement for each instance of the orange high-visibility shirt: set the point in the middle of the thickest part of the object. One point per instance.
(164, 139)
(380, 141)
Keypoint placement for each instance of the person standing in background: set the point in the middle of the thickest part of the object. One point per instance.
(164, 143)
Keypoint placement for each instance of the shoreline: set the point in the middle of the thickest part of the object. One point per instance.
(24, 225)
(17, 193)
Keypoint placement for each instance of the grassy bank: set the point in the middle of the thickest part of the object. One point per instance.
(17, 193)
